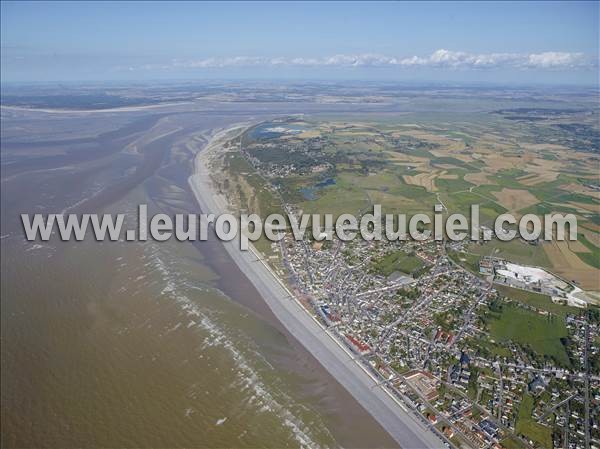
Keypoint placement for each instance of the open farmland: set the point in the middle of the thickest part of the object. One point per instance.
(409, 163)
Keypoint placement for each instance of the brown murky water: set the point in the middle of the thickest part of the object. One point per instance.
(143, 344)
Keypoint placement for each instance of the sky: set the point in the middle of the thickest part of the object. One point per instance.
(512, 42)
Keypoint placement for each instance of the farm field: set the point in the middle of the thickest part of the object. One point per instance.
(409, 163)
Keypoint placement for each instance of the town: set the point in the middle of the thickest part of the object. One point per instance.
(485, 351)
(421, 323)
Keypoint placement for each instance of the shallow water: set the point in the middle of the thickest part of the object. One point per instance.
(147, 344)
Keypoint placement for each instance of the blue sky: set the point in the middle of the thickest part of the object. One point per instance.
(554, 42)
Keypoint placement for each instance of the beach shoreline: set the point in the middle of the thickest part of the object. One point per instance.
(402, 425)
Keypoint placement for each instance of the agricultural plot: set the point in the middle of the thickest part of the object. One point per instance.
(409, 163)
(516, 250)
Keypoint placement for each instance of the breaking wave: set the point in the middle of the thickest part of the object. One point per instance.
(248, 379)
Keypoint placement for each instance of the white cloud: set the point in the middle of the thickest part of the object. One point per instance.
(457, 59)
(555, 59)
(442, 59)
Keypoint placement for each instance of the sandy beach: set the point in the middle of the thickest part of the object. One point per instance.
(405, 428)
(95, 111)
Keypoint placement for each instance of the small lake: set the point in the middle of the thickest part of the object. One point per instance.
(274, 130)
(310, 193)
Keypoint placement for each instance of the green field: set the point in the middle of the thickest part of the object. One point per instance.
(537, 300)
(527, 427)
(515, 250)
(398, 261)
(540, 332)
(492, 348)
(466, 260)
(512, 443)
(593, 257)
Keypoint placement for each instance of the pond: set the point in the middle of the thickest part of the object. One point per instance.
(273, 130)
(310, 193)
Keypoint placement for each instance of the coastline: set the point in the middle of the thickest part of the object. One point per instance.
(94, 111)
(338, 360)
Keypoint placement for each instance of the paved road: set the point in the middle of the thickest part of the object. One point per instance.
(394, 417)
(586, 407)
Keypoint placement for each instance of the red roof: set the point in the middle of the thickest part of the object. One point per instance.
(360, 345)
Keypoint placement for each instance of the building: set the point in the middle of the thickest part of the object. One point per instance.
(424, 383)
